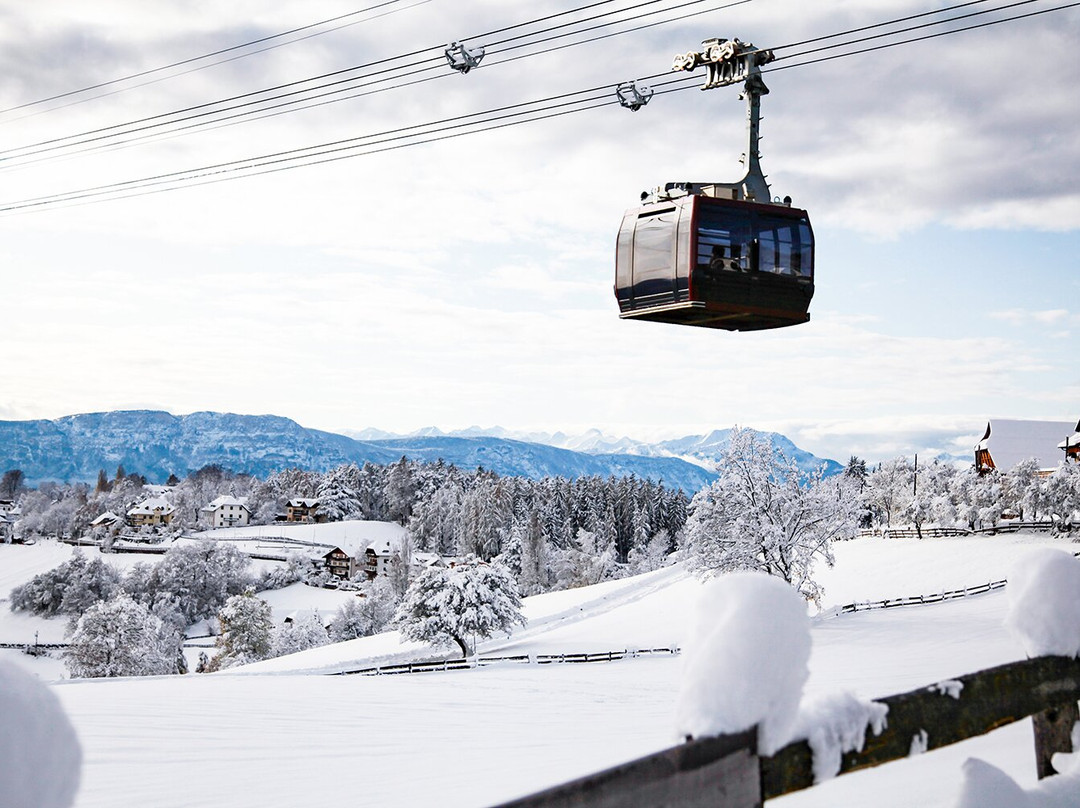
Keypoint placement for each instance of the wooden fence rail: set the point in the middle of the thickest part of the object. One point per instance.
(727, 772)
(540, 659)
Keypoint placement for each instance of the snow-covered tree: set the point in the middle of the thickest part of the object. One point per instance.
(71, 588)
(121, 637)
(764, 514)
(1061, 495)
(652, 555)
(1023, 488)
(337, 494)
(246, 629)
(436, 521)
(400, 491)
(460, 605)
(306, 631)
(889, 490)
(202, 576)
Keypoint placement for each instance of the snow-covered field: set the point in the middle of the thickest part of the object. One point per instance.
(282, 733)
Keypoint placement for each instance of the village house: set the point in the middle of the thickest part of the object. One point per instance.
(368, 548)
(1007, 442)
(1071, 445)
(226, 511)
(303, 510)
(339, 563)
(9, 515)
(152, 512)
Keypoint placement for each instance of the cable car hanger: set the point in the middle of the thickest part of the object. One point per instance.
(729, 62)
(716, 254)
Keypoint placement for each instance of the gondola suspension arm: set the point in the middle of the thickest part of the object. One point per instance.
(729, 62)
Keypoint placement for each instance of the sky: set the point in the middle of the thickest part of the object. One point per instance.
(469, 280)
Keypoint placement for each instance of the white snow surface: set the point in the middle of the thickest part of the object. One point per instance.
(987, 786)
(40, 755)
(1044, 603)
(274, 734)
(747, 661)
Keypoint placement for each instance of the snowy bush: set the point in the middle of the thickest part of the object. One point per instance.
(40, 755)
(304, 632)
(363, 616)
(70, 588)
(460, 605)
(120, 637)
(296, 568)
(746, 663)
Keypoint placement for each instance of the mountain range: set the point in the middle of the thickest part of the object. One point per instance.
(156, 444)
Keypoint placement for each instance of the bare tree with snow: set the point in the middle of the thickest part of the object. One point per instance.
(764, 514)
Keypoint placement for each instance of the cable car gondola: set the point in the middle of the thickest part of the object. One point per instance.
(718, 255)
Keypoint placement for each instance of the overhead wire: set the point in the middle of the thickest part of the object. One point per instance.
(205, 56)
(909, 29)
(458, 126)
(922, 38)
(213, 107)
(267, 112)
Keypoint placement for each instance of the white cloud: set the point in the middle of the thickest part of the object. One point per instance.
(470, 280)
(1024, 317)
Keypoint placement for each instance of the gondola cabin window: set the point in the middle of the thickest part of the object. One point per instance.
(785, 247)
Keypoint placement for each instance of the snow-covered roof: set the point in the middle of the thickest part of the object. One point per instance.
(353, 536)
(152, 506)
(1010, 441)
(106, 518)
(387, 545)
(428, 560)
(304, 502)
(1072, 440)
(224, 501)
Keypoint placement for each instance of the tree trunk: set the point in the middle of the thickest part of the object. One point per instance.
(464, 648)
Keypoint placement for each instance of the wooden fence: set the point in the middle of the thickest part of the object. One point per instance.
(539, 659)
(727, 772)
(946, 532)
(916, 600)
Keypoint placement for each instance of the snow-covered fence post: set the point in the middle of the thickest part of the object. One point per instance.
(1053, 734)
(1044, 614)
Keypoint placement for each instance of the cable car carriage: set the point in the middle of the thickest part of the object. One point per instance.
(718, 255)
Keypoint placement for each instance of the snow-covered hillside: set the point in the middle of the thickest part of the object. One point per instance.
(282, 733)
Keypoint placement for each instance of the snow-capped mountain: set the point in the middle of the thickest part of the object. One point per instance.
(156, 444)
(701, 450)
